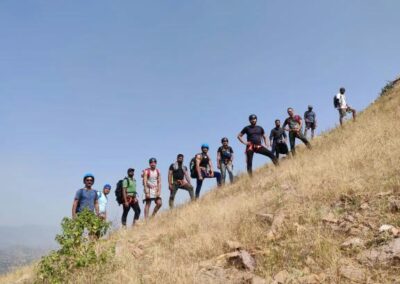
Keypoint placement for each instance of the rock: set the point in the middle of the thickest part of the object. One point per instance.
(364, 206)
(385, 228)
(258, 280)
(394, 206)
(383, 194)
(330, 218)
(353, 273)
(309, 279)
(265, 217)
(384, 255)
(310, 262)
(278, 221)
(355, 232)
(242, 260)
(282, 277)
(352, 243)
(349, 218)
(232, 245)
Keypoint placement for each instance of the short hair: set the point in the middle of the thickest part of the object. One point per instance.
(179, 156)
(277, 120)
(289, 108)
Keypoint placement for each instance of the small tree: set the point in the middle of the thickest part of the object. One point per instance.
(77, 242)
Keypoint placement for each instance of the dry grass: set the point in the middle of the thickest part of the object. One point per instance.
(358, 161)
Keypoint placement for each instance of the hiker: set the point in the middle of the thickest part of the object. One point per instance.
(311, 121)
(255, 137)
(278, 140)
(178, 177)
(294, 124)
(204, 169)
(225, 160)
(342, 106)
(103, 200)
(152, 187)
(130, 199)
(86, 197)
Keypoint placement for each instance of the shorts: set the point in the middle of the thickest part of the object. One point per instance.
(310, 125)
(151, 199)
(344, 111)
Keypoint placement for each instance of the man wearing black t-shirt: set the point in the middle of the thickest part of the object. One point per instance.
(255, 137)
(178, 177)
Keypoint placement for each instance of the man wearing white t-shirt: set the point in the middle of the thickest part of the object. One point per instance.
(343, 107)
(152, 188)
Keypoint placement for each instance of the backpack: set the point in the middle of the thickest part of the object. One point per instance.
(192, 167)
(118, 191)
(336, 102)
(147, 171)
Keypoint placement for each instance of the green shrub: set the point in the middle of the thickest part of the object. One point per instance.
(77, 241)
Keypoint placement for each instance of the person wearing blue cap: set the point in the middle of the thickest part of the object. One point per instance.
(103, 199)
(204, 169)
(86, 197)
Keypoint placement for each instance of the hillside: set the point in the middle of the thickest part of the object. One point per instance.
(316, 218)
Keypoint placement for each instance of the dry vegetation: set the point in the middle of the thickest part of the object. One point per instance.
(348, 179)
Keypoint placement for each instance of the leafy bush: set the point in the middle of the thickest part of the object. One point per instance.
(77, 241)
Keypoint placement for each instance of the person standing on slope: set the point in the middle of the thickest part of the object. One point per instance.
(130, 197)
(343, 107)
(86, 197)
(152, 188)
(225, 160)
(278, 140)
(311, 121)
(204, 169)
(178, 177)
(103, 200)
(294, 123)
(255, 137)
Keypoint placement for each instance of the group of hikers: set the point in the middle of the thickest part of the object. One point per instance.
(201, 166)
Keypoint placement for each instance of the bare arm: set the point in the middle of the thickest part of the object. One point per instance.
(170, 179)
(240, 137)
(96, 207)
(146, 189)
(218, 157)
(198, 160)
(187, 176)
(159, 184)
(265, 140)
(124, 194)
(211, 166)
(74, 206)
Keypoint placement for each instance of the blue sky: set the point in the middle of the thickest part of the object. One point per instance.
(100, 86)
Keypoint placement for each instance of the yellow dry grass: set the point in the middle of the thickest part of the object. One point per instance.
(358, 160)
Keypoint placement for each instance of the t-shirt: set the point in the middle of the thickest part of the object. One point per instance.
(130, 186)
(102, 199)
(178, 171)
(254, 134)
(309, 116)
(293, 122)
(86, 199)
(225, 153)
(277, 134)
(342, 100)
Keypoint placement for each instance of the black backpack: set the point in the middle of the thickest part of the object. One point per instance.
(192, 167)
(336, 102)
(118, 191)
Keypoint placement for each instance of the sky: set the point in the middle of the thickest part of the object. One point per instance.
(101, 86)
